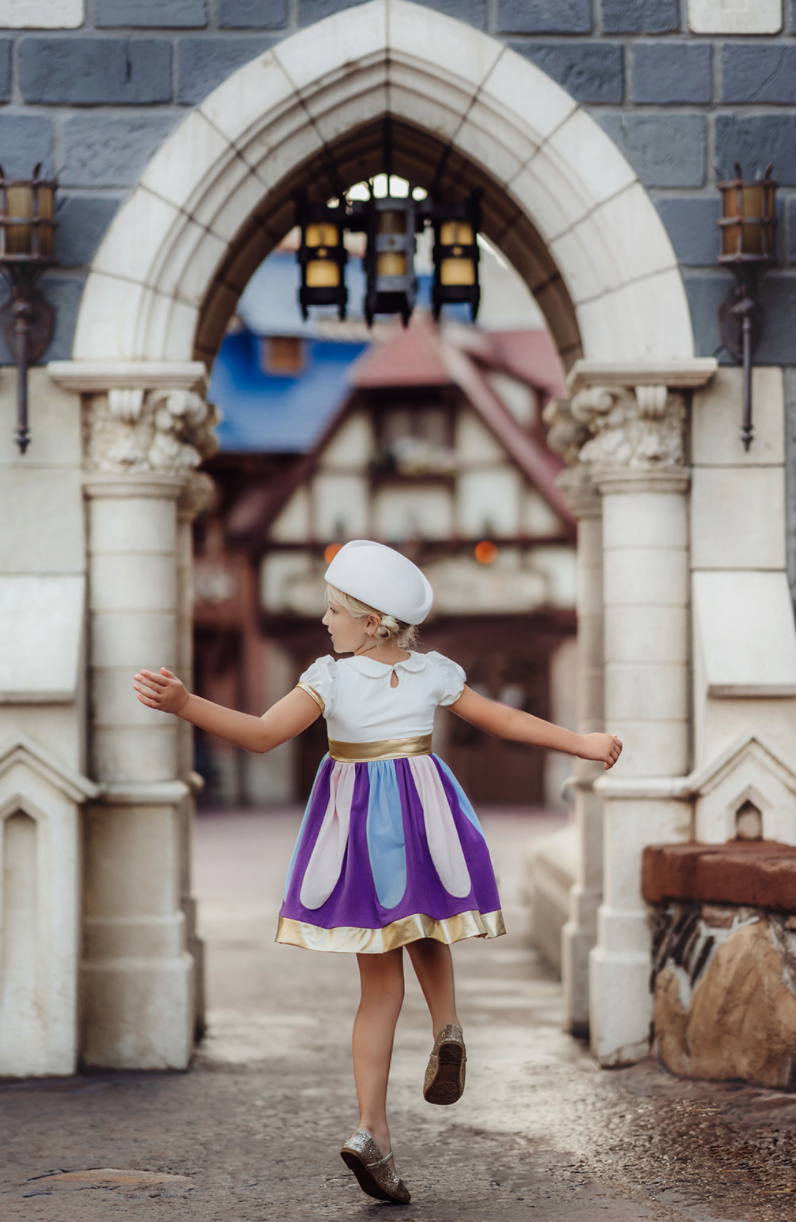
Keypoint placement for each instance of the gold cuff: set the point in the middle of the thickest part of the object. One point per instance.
(472, 924)
(382, 749)
(305, 687)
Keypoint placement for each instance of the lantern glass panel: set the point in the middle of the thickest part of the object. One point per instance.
(323, 273)
(457, 271)
(391, 222)
(391, 263)
(452, 233)
(20, 205)
(322, 233)
(752, 206)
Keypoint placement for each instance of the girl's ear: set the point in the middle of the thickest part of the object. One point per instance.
(372, 623)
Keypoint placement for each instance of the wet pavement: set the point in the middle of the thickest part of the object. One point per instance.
(251, 1132)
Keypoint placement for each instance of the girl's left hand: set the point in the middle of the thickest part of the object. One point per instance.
(604, 747)
(164, 692)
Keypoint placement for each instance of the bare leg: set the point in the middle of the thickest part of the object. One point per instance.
(433, 966)
(382, 983)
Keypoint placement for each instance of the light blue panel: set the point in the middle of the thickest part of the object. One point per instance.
(386, 834)
(464, 801)
(301, 829)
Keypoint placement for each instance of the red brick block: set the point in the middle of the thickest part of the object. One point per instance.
(758, 873)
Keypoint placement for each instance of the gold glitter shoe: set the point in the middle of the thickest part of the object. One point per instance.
(362, 1156)
(446, 1067)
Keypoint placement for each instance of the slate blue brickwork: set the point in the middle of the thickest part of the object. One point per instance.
(543, 17)
(26, 139)
(108, 148)
(756, 140)
(590, 71)
(203, 63)
(155, 14)
(692, 225)
(640, 16)
(82, 221)
(670, 72)
(95, 103)
(752, 73)
(309, 11)
(6, 48)
(78, 71)
(252, 14)
(665, 150)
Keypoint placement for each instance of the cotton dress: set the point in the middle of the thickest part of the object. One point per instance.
(390, 849)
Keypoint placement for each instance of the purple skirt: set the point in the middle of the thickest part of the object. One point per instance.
(388, 852)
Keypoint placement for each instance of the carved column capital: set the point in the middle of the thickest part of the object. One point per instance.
(637, 429)
(625, 424)
(143, 417)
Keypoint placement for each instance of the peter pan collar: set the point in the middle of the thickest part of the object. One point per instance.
(368, 666)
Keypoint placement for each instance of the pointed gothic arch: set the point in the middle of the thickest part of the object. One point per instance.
(560, 199)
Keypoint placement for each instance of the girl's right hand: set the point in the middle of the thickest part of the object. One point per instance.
(603, 747)
(164, 692)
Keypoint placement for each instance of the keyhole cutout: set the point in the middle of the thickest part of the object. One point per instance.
(394, 679)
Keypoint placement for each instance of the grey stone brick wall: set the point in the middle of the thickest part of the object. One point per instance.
(94, 103)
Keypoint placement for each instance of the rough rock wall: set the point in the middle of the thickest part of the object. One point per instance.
(724, 980)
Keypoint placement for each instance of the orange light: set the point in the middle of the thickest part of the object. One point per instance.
(331, 552)
(485, 551)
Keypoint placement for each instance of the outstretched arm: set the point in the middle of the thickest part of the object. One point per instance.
(284, 720)
(505, 722)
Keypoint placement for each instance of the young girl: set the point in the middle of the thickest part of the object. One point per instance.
(390, 852)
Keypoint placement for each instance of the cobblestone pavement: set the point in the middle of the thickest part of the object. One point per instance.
(251, 1133)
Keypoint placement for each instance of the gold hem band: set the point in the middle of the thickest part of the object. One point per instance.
(382, 749)
(305, 687)
(472, 924)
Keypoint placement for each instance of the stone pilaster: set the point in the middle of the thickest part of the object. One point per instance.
(635, 420)
(580, 932)
(146, 429)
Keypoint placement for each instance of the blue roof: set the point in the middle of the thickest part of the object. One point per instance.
(275, 413)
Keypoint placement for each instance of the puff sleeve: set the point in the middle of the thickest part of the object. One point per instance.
(451, 678)
(320, 682)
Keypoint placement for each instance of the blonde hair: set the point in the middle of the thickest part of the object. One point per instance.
(391, 631)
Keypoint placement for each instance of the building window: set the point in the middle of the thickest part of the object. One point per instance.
(282, 354)
(415, 441)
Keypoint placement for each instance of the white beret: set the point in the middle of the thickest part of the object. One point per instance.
(382, 578)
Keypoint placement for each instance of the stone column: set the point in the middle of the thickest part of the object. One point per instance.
(635, 454)
(146, 430)
(194, 498)
(580, 932)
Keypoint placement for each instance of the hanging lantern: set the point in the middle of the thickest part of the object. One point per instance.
(456, 254)
(322, 257)
(390, 258)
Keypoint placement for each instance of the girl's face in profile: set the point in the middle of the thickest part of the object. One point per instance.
(348, 634)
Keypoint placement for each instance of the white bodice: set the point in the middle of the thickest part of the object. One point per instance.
(360, 706)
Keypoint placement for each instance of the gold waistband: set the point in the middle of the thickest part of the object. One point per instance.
(383, 749)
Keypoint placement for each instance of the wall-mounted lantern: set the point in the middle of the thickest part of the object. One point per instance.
(456, 226)
(27, 320)
(748, 230)
(322, 256)
(390, 258)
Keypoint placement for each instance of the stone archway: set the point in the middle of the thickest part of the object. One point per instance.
(565, 207)
(560, 199)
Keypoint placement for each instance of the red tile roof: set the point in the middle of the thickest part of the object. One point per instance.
(411, 357)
